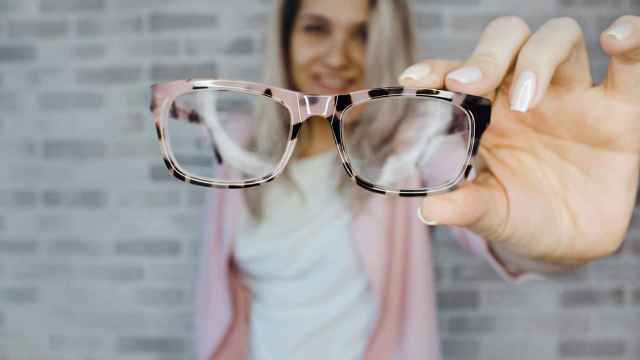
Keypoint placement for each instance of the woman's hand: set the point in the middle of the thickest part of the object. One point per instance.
(562, 156)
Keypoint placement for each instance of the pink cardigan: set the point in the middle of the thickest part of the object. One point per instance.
(396, 250)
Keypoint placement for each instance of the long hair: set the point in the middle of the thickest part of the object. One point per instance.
(390, 49)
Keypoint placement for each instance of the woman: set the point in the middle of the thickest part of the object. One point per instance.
(341, 284)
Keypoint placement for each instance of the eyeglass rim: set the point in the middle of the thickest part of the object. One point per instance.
(477, 108)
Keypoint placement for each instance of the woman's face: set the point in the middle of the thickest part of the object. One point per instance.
(328, 45)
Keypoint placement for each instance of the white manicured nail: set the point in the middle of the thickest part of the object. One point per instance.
(416, 72)
(466, 75)
(523, 92)
(425, 221)
(620, 31)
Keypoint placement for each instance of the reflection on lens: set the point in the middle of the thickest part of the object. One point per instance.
(226, 136)
(407, 143)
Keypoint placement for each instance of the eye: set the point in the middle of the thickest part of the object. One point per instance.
(362, 33)
(314, 29)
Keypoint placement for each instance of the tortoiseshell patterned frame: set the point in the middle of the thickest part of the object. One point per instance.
(301, 107)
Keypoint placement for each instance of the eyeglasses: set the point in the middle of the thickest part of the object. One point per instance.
(391, 140)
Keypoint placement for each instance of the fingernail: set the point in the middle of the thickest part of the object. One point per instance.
(425, 221)
(523, 92)
(466, 75)
(416, 72)
(620, 31)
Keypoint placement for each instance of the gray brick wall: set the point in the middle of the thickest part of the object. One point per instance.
(97, 243)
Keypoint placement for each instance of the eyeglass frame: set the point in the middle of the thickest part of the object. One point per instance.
(163, 96)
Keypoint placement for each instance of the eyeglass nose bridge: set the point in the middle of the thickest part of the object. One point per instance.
(315, 105)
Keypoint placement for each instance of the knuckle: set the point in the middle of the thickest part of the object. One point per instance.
(487, 58)
(510, 22)
(566, 23)
(630, 18)
(529, 51)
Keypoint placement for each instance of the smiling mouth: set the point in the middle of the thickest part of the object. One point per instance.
(333, 84)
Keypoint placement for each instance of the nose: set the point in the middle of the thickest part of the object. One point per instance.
(338, 55)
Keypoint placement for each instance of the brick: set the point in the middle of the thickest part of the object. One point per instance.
(19, 295)
(454, 349)
(448, 2)
(635, 245)
(543, 296)
(18, 247)
(458, 299)
(73, 149)
(153, 247)
(595, 348)
(161, 297)
(557, 323)
(63, 343)
(613, 271)
(89, 51)
(55, 222)
(150, 199)
(592, 297)
(160, 22)
(196, 198)
(17, 53)
(615, 322)
(62, 101)
(110, 75)
(71, 5)
(10, 7)
(18, 199)
(243, 45)
(74, 247)
(8, 101)
(75, 198)
(455, 47)
(128, 5)
(474, 273)
(151, 47)
(468, 324)
(92, 27)
(42, 271)
(170, 273)
(240, 46)
(153, 345)
(429, 21)
(591, 3)
(185, 221)
(173, 322)
(47, 74)
(120, 273)
(160, 174)
(130, 150)
(38, 28)
(170, 72)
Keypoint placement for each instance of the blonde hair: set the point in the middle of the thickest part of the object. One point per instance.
(391, 48)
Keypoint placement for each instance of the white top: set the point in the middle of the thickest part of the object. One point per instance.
(311, 297)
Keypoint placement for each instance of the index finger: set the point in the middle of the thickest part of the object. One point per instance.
(492, 59)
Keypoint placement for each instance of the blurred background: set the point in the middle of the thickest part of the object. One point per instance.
(98, 244)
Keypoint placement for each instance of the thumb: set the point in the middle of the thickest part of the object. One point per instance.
(481, 206)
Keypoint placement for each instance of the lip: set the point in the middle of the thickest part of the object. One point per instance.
(328, 88)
